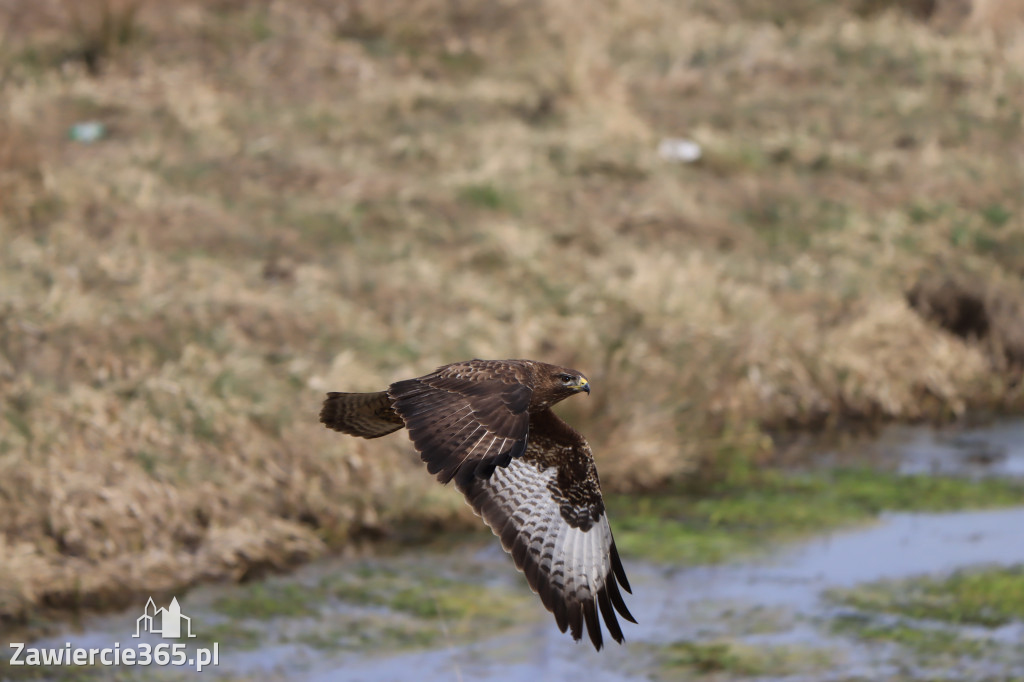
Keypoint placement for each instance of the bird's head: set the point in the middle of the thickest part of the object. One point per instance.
(563, 383)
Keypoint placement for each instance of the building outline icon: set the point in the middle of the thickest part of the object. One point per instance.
(169, 618)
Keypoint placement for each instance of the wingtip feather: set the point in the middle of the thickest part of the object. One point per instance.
(617, 601)
(619, 569)
(608, 613)
(593, 624)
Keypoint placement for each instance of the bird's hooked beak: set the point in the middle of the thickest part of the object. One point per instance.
(584, 385)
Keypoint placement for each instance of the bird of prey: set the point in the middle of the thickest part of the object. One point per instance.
(488, 425)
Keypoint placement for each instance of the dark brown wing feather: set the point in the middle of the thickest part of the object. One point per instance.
(548, 511)
(368, 415)
(465, 419)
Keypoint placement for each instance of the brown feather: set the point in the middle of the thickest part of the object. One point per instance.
(367, 415)
(464, 421)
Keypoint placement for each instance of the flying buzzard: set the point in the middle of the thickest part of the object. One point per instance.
(488, 425)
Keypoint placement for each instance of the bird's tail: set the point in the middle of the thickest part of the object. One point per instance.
(368, 415)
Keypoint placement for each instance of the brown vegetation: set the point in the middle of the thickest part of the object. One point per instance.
(977, 310)
(294, 197)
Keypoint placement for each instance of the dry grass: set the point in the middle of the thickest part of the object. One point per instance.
(295, 197)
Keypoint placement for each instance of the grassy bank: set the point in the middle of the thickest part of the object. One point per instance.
(290, 198)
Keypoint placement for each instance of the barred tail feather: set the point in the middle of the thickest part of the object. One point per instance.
(367, 415)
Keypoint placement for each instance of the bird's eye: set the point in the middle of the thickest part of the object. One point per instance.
(566, 378)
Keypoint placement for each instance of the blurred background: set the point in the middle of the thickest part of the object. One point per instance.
(762, 229)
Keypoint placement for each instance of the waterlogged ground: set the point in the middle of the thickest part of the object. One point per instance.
(915, 573)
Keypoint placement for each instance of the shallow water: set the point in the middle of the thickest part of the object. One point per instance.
(700, 602)
(776, 601)
(995, 450)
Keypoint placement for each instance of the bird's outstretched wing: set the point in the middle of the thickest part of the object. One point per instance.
(465, 419)
(548, 511)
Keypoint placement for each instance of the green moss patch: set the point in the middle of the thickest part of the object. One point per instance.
(750, 513)
(377, 605)
(989, 597)
(269, 600)
(231, 636)
(367, 633)
(926, 642)
(692, 658)
(428, 596)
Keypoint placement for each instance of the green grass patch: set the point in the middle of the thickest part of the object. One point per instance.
(746, 513)
(371, 634)
(487, 196)
(996, 214)
(651, 531)
(925, 642)
(266, 600)
(427, 596)
(691, 658)
(232, 636)
(20, 424)
(990, 597)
